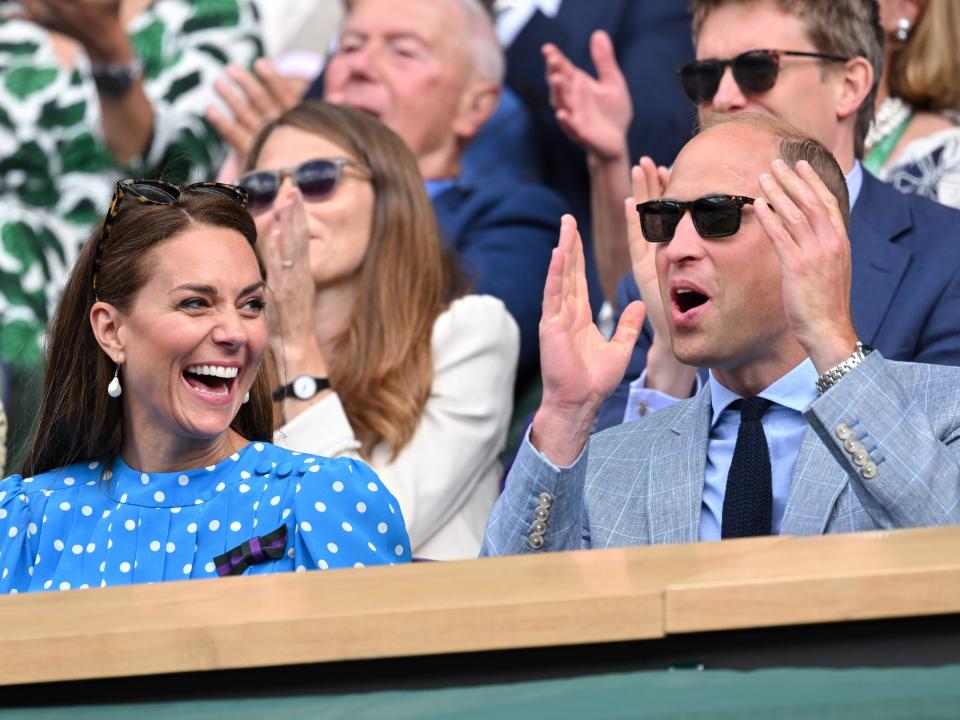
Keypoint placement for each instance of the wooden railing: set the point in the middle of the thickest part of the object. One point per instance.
(538, 600)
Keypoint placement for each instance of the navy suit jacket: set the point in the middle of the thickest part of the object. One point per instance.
(505, 235)
(906, 284)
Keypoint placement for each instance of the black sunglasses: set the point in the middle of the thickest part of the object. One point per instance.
(156, 192)
(714, 216)
(317, 179)
(755, 71)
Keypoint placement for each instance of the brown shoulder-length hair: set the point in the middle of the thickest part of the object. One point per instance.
(382, 368)
(925, 70)
(77, 419)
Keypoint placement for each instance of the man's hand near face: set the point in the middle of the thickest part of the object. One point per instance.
(580, 367)
(807, 231)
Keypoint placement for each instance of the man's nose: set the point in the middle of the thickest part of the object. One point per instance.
(729, 96)
(686, 244)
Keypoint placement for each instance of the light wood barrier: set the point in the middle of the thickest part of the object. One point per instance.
(541, 600)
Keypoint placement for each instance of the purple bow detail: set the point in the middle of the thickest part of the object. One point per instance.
(256, 550)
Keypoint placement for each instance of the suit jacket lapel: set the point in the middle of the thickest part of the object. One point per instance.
(877, 221)
(676, 470)
(814, 488)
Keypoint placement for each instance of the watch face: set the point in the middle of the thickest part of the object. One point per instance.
(304, 387)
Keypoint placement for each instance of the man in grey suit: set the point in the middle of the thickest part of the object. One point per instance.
(800, 429)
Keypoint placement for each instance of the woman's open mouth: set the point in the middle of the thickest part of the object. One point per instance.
(212, 381)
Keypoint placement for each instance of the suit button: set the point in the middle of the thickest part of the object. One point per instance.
(852, 446)
(869, 471)
(860, 458)
(535, 541)
(539, 527)
(541, 513)
(843, 431)
(546, 499)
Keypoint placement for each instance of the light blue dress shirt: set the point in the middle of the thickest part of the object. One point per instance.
(783, 425)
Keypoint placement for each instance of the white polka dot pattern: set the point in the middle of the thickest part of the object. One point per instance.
(99, 524)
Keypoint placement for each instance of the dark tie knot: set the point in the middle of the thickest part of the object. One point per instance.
(752, 408)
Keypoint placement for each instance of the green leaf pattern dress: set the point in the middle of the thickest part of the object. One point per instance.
(56, 173)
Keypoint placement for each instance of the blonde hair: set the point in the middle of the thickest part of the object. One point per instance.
(382, 368)
(925, 71)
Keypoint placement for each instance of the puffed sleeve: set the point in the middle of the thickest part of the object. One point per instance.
(186, 46)
(16, 529)
(346, 517)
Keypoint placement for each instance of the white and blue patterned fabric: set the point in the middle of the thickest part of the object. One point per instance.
(100, 523)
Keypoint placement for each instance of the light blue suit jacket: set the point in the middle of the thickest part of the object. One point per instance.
(642, 483)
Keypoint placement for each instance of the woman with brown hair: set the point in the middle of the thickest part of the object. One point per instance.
(383, 357)
(151, 459)
(914, 141)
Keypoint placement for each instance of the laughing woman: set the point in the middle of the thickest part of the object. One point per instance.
(152, 458)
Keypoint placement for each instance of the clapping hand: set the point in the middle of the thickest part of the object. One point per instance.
(284, 242)
(254, 99)
(580, 367)
(809, 235)
(594, 112)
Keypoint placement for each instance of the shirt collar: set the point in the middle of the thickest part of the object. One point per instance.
(795, 390)
(854, 182)
(435, 187)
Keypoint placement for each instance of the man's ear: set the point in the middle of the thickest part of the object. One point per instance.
(477, 103)
(857, 82)
(107, 324)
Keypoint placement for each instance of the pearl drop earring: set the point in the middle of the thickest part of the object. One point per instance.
(903, 29)
(113, 389)
(246, 398)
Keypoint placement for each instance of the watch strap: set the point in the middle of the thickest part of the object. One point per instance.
(286, 391)
(832, 376)
(116, 79)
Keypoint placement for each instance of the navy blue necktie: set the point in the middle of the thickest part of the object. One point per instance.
(748, 500)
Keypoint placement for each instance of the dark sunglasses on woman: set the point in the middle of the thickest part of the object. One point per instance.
(714, 216)
(316, 179)
(754, 71)
(156, 192)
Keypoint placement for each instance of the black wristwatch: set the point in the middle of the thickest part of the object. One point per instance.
(115, 79)
(303, 387)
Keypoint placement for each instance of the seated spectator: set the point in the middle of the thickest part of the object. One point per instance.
(800, 430)
(93, 91)
(152, 458)
(383, 356)
(905, 297)
(914, 141)
(648, 39)
(430, 70)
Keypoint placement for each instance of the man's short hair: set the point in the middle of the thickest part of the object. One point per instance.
(792, 146)
(850, 28)
(486, 55)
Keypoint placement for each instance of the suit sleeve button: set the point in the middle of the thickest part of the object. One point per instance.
(844, 431)
(545, 499)
(539, 527)
(535, 541)
(852, 446)
(541, 513)
(869, 471)
(860, 458)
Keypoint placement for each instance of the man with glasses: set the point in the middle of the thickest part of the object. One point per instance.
(801, 429)
(817, 65)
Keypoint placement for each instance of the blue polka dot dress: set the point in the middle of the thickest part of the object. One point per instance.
(95, 524)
